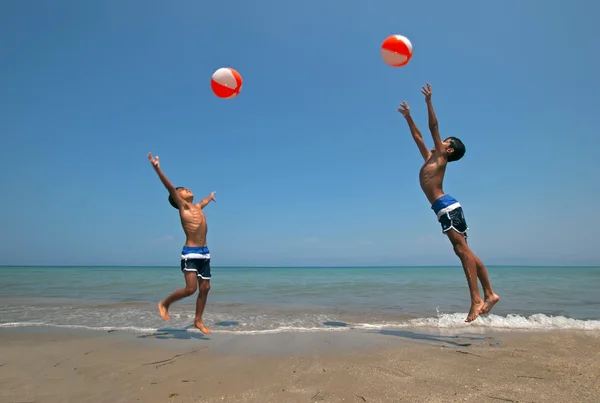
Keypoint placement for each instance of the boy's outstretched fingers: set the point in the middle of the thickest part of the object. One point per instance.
(153, 160)
(404, 109)
(426, 91)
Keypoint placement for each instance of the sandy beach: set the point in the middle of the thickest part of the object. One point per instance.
(65, 365)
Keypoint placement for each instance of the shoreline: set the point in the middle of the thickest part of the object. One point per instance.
(368, 335)
(228, 322)
(354, 366)
(292, 341)
(342, 328)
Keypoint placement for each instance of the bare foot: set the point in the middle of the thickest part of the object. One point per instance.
(200, 326)
(474, 312)
(489, 304)
(164, 311)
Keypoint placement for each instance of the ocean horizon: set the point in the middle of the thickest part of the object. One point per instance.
(271, 299)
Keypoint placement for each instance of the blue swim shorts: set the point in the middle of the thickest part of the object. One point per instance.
(196, 258)
(450, 214)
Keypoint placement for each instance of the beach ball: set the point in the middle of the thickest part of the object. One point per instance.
(226, 82)
(396, 50)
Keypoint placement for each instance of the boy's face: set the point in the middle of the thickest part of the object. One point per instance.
(448, 146)
(186, 194)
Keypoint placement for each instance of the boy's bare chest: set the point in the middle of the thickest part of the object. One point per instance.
(194, 215)
(431, 174)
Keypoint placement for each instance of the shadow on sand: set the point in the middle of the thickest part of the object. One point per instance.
(227, 323)
(463, 341)
(189, 333)
(457, 340)
(335, 324)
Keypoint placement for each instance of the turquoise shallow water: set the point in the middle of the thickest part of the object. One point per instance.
(255, 300)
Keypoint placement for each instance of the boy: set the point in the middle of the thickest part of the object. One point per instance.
(195, 256)
(448, 210)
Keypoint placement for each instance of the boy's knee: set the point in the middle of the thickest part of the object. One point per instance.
(190, 289)
(460, 249)
(205, 286)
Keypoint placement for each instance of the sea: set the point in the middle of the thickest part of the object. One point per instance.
(256, 300)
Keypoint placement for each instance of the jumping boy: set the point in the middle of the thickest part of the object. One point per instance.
(448, 210)
(195, 256)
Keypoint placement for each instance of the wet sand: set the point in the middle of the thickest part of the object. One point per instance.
(408, 365)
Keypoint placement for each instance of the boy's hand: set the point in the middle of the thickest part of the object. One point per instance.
(154, 161)
(404, 109)
(206, 201)
(427, 92)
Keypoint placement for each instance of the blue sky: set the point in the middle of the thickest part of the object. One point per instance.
(312, 164)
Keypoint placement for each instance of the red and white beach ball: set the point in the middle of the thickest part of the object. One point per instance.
(226, 82)
(396, 50)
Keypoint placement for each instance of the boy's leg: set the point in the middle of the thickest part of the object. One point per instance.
(469, 263)
(490, 297)
(190, 288)
(204, 286)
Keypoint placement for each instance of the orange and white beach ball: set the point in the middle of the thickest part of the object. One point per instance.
(226, 82)
(396, 50)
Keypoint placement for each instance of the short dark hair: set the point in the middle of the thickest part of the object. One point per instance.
(459, 149)
(172, 201)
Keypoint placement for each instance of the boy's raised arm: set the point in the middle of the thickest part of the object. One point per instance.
(204, 202)
(165, 181)
(404, 109)
(433, 122)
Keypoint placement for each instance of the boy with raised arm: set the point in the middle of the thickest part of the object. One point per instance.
(195, 256)
(448, 210)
